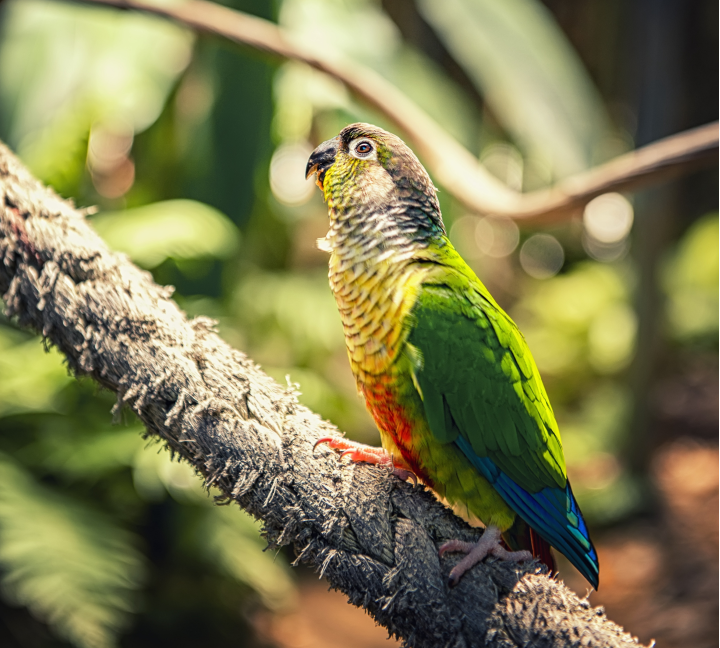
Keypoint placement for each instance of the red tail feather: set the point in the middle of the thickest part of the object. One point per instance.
(542, 551)
(521, 536)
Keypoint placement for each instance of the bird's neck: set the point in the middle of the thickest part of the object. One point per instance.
(375, 271)
(376, 235)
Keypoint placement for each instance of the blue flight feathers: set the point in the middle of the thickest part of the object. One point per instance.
(552, 512)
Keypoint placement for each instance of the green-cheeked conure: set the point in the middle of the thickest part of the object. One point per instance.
(444, 371)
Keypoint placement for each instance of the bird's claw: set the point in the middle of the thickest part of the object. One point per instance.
(489, 544)
(366, 454)
(323, 440)
(404, 475)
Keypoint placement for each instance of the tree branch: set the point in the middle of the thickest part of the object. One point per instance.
(372, 536)
(656, 162)
(451, 164)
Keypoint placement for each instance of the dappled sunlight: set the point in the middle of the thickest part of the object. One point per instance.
(189, 157)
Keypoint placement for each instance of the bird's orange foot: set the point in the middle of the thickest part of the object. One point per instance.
(489, 544)
(359, 452)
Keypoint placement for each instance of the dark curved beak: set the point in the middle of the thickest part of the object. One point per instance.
(321, 159)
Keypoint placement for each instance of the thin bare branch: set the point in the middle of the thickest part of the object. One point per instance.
(452, 165)
(373, 537)
(656, 162)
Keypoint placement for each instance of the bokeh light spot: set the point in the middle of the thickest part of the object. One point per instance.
(605, 252)
(497, 237)
(462, 236)
(542, 256)
(505, 162)
(608, 218)
(108, 158)
(287, 174)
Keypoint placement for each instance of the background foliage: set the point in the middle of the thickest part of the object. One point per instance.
(194, 154)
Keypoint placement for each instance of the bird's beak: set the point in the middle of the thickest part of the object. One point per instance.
(321, 159)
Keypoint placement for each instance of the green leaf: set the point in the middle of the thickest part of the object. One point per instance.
(580, 321)
(690, 278)
(529, 74)
(177, 229)
(156, 473)
(301, 91)
(65, 67)
(67, 563)
(299, 305)
(91, 456)
(30, 378)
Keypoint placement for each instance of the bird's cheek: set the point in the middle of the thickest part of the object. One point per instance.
(376, 186)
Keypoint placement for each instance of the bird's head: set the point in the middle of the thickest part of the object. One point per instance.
(368, 170)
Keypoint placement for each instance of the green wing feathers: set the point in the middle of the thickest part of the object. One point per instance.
(479, 380)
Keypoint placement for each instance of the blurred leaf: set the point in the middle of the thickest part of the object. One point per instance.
(95, 455)
(300, 90)
(426, 83)
(315, 392)
(592, 433)
(301, 307)
(528, 73)
(612, 502)
(691, 280)
(177, 229)
(232, 541)
(155, 473)
(30, 378)
(580, 321)
(592, 427)
(64, 66)
(611, 338)
(68, 564)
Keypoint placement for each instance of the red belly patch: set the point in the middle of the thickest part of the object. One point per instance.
(392, 419)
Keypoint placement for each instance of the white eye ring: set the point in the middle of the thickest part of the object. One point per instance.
(366, 146)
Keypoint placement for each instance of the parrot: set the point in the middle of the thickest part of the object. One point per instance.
(445, 373)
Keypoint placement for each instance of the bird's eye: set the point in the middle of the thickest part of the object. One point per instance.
(363, 149)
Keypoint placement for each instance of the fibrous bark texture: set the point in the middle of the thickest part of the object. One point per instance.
(373, 537)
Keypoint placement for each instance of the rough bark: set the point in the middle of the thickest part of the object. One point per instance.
(373, 537)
